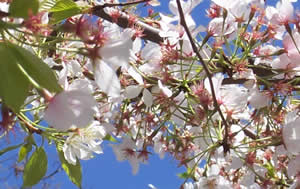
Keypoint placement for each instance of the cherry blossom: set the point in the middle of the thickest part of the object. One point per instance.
(70, 108)
(282, 13)
(292, 47)
(232, 98)
(127, 150)
(83, 144)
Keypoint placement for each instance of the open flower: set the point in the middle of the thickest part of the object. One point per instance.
(83, 144)
(70, 108)
(232, 98)
(291, 48)
(127, 150)
(239, 9)
(213, 180)
(283, 12)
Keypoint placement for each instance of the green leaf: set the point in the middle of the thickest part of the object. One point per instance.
(14, 85)
(187, 174)
(19, 68)
(35, 68)
(30, 140)
(24, 150)
(47, 4)
(9, 149)
(62, 5)
(63, 9)
(35, 168)
(61, 15)
(23, 8)
(110, 138)
(73, 171)
(184, 175)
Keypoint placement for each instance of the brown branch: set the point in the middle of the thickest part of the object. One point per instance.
(3, 14)
(225, 143)
(124, 4)
(150, 33)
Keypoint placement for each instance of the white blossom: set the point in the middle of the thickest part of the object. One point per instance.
(70, 108)
(83, 144)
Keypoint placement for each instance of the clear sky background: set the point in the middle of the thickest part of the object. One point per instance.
(104, 171)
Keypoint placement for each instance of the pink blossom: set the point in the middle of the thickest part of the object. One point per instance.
(70, 108)
(292, 48)
(258, 99)
(232, 98)
(127, 150)
(282, 14)
(239, 9)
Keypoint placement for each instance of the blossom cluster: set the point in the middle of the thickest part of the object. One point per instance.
(225, 94)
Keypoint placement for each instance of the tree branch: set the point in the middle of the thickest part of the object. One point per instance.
(150, 33)
(225, 143)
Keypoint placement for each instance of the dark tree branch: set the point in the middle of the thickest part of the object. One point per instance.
(225, 143)
(150, 33)
(124, 4)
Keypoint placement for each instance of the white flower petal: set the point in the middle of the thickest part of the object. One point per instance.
(81, 84)
(116, 53)
(217, 83)
(147, 98)
(133, 91)
(70, 108)
(135, 165)
(258, 99)
(164, 89)
(291, 136)
(69, 156)
(135, 75)
(62, 77)
(107, 79)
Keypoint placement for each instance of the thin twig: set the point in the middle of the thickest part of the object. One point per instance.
(209, 75)
(30, 127)
(53, 173)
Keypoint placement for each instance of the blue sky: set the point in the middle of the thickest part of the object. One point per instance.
(104, 171)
